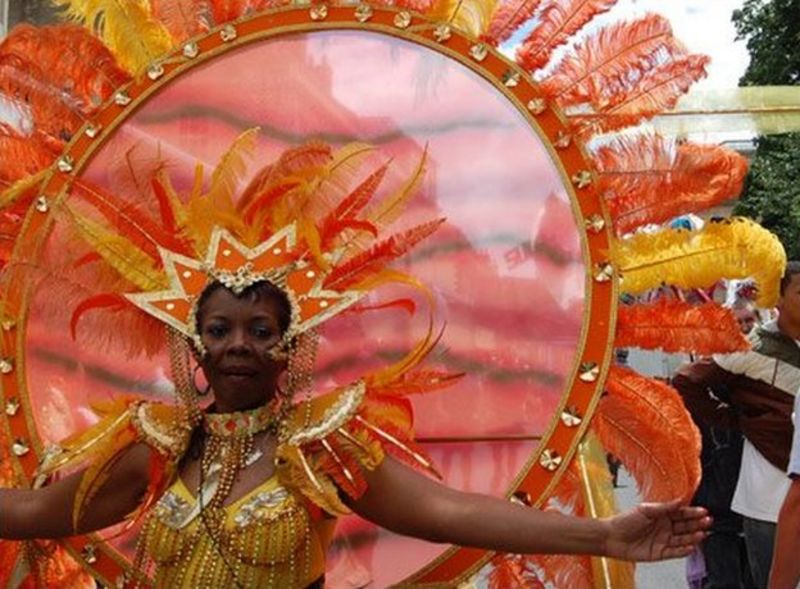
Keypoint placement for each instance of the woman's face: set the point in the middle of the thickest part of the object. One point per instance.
(240, 336)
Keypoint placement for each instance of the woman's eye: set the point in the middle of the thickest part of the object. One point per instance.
(217, 331)
(262, 332)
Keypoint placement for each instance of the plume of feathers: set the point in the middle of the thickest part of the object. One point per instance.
(731, 248)
(621, 51)
(650, 179)
(470, 16)
(128, 29)
(559, 21)
(644, 423)
(676, 326)
(631, 101)
(507, 17)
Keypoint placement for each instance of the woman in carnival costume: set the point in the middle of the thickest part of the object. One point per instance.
(244, 491)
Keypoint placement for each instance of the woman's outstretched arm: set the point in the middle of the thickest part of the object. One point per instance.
(406, 502)
(27, 514)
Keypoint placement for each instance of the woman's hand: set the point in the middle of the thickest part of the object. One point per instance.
(656, 531)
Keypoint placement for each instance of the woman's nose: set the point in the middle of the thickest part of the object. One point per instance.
(238, 340)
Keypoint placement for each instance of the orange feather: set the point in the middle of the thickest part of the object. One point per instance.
(111, 301)
(182, 18)
(644, 423)
(513, 570)
(657, 91)
(23, 156)
(624, 50)
(559, 21)
(379, 255)
(69, 52)
(675, 326)
(350, 206)
(508, 17)
(652, 180)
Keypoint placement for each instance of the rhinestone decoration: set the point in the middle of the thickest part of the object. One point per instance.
(603, 272)
(537, 106)
(172, 510)
(228, 33)
(260, 507)
(479, 51)
(571, 417)
(589, 372)
(6, 365)
(8, 324)
(66, 164)
(42, 205)
(12, 406)
(318, 12)
(363, 12)
(521, 498)
(92, 131)
(595, 223)
(442, 33)
(402, 20)
(191, 50)
(562, 140)
(20, 447)
(582, 179)
(155, 71)
(550, 460)
(89, 554)
(122, 98)
(511, 78)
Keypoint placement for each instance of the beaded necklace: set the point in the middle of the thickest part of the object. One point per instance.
(230, 443)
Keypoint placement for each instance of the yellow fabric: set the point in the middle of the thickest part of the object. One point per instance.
(284, 545)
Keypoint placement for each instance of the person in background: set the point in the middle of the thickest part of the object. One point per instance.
(753, 393)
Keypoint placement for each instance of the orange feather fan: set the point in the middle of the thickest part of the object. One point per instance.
(560, 20)
(621, 51)
(649, 179)
(507, 18)
(676, 326)
(644, 423)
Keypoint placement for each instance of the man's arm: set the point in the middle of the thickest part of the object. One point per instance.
(696, 382)
(785, 571)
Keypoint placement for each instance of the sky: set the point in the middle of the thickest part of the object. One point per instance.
(705, 27)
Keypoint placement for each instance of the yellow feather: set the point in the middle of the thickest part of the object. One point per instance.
(10, 195)
(469, 16)
(598, 494)
(230, 170)
(131, 262)
(127, 27)
(392, 207)
(734, 248)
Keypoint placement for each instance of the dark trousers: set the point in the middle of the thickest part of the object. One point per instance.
(726, 561)
(759, 537)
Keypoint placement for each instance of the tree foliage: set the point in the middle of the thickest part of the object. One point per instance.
(772, 191)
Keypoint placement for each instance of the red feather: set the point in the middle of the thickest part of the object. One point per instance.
(644, 423)
(129, 221)
(508, 17)
(617, 52)
(106, 300)
(379, 255)
(560, 20)
(652, 180)
(675, 326)
(23, 156)
(350, 206)
(512, 570)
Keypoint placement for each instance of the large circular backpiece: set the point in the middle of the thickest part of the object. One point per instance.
(517, 271)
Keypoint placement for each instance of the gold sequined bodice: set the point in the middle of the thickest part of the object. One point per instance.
(266, 539)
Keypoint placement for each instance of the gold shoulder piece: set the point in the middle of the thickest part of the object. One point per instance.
(162, 427)
(325, 414)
